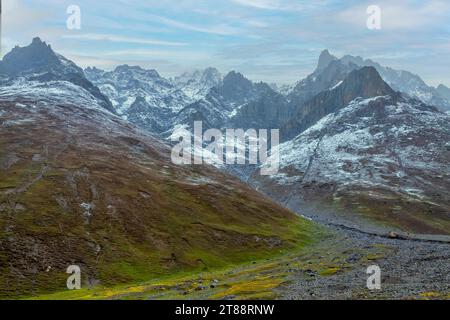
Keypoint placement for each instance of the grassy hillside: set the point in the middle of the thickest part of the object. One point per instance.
(81, 187)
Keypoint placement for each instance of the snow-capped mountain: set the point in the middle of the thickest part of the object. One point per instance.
(331, 70)
(51, 92)
(403, 81)
(147, 99)
(329, 73)
(331, 86)
(81, 184)
(359, 83)
(363, 150)
(196, 85)
(325, 92)
(384, 159)
(141, 96)
(222, 102)
(37, 67)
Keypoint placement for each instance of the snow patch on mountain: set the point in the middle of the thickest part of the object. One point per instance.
(53, 92)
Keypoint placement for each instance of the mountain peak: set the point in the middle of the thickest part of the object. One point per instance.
(37, 54)
(363, 83)
(211, 77)
(38, 62)
(94, 69)
(324, 59)
(211, 69)
(37, 41)
(367, 82)
(125, 68)
(211, 72)
(236, 81)
(233, 76)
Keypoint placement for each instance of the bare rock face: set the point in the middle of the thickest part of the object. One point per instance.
(325, 59)
(35, 57)
(364, 83)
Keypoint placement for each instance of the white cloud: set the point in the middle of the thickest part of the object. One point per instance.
(213, 29)
(260, 4)
(113, 38)
(283, 5)
(162, 54)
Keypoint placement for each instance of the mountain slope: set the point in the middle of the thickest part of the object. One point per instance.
(81, 186)
(381, 162)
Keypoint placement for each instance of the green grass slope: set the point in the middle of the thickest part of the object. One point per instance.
(80, 187)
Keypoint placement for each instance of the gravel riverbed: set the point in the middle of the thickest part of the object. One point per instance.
(410, 269)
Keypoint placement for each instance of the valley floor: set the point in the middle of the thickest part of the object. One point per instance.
(333, 268)
(410, 269)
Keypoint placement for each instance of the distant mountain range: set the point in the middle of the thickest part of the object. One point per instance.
(236, 101)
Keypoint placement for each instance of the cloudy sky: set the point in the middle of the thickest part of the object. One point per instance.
(270, 40)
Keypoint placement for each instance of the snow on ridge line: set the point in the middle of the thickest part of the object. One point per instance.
(61, 92)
